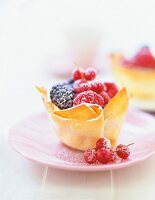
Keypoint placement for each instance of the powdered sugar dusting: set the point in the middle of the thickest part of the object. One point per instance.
(67, 154)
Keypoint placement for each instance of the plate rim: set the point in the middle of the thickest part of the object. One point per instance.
(85, 168)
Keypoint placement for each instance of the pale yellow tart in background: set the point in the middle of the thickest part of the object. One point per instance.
(139, 82)
(81, 126)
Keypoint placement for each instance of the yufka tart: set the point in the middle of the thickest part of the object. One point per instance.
(137, 74)
(83, 110)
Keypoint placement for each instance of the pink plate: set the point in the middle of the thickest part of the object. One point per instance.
(35, 139)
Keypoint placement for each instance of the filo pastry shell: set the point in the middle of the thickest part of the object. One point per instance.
(81, 126)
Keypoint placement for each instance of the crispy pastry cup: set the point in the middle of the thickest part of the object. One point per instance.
(81, 126)
(139, 82)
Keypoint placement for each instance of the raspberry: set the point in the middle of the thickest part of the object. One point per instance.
(103, 155)
(90, 156)
(88, 97)
(82, 87)
(111, 89)
(77, 84)
(105, 97)
(97, 87)
(90, 74)
(77, 74)
(103, 143)
(144, 58)
(113, 155)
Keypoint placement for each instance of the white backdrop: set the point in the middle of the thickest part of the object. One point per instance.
(30, 32)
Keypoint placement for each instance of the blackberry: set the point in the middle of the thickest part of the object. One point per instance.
(71, 82)
(62, 95)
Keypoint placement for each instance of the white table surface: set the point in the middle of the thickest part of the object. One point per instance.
(30, 31)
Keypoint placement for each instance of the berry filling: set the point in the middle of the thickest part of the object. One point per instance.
(77, 74)
(82, 88)
(62, 95)
(88, 97)
(106, 97)
(78, 88)
(111, 89)
(97, 87)
(90, 74)
(143, 59)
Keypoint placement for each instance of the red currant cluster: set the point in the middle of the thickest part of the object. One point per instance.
(90, 91)
(104, 154)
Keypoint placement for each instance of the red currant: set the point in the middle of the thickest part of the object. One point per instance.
(103, 155)
(111, 89)
(77, 74)
(122, 151)
(103, 143)
(90, 74)
(88, 97)
(113, 155)
(90, 156)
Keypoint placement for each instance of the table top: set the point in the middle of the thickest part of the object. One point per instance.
(25, 50)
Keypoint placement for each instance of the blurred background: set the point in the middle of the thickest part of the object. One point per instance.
(42, 38)
(39, 42)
